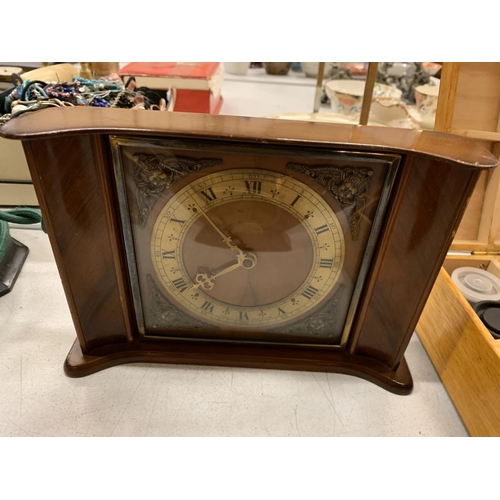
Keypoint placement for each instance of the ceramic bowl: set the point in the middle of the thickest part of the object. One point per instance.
(431, 68)
(357, 70)
(426, 97)
(311, 69)
(398, 69)
(237, 68)
(392, 114)
(277, 68)
(346, 96)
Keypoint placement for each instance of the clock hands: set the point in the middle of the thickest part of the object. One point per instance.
(226, 239)
(246, 260)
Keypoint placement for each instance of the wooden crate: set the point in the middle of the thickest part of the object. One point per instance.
(463, 351)
(16, 187)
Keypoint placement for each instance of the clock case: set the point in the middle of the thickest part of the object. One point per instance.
(70, 158)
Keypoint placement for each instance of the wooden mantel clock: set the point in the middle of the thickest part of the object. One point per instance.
(218, 240)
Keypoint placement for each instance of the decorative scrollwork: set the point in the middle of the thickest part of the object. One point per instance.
(320, 324)
(154, 173)
(349, 186)
(165, 315)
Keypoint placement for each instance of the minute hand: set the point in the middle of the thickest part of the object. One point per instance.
(226, 239)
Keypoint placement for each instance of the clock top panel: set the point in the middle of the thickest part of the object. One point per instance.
(84, 120)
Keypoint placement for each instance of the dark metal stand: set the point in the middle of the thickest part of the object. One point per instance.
(11, 264)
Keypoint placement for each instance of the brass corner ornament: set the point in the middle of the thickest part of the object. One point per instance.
(165, 314)
(154, 173)
(319, 324)
(349, 186)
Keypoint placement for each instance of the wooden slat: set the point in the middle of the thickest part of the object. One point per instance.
(447, 95)
(472, 245)
(480, 135)
(476, 116)
(465, 355)
(453, 262)
(469, 226)
(496, 223)
(494, 268)
(367, 96)
(319, 87)
(477, 101)
(490, 220)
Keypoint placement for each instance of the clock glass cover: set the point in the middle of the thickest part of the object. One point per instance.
(245, 244)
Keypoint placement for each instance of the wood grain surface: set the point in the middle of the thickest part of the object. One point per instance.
(465, 355)
(469, 106)
(84, 120)
(423, 222)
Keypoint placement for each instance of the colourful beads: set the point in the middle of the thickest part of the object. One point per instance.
(33, 95)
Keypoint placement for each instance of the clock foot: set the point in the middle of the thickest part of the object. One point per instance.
(398, 382)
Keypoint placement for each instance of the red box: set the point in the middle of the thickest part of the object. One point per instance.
(198, 84)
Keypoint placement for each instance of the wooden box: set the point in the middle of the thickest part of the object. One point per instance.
(463, 351)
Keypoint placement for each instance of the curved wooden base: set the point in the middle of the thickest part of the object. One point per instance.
(398, 382)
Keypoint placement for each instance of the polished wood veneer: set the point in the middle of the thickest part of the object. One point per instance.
(69, 155)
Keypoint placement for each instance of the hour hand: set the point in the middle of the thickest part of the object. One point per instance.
(206, 282)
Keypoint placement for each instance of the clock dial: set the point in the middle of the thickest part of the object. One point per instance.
(234, 245)
(247, 248)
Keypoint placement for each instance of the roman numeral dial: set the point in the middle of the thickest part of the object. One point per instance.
(247, 249)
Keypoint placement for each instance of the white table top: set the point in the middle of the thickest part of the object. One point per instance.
(37, 399)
